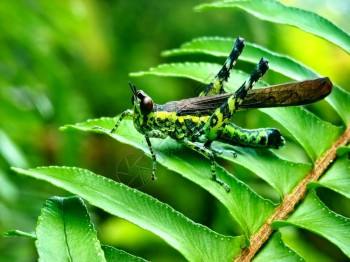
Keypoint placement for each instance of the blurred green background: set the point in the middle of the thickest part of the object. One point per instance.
(62, 62)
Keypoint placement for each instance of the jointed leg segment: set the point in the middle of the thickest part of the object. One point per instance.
(126, 113)
(217, 84)
(258, 72)
(155, 134)
(154, 158)
(209, 154)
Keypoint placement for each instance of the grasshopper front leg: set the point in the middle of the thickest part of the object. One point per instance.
(154, 158)
(155, 134)
(209, 154)
(126, 113)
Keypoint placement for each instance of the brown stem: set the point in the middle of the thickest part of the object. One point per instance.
(293, 198)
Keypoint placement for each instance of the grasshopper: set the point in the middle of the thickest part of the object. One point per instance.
(197, 122)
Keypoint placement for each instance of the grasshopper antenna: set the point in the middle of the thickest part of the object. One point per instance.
(133, 88)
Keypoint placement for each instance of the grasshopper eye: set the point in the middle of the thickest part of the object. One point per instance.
(146, 105)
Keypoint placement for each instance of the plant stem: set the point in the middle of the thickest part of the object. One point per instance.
(293, 198)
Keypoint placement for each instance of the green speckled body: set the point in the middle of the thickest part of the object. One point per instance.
(170, 124)
(193, 129)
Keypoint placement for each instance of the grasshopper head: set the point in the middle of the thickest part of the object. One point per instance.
(141, 101)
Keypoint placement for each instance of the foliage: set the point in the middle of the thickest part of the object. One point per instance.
(64, 223)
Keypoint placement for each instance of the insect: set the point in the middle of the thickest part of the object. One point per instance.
(197, 122)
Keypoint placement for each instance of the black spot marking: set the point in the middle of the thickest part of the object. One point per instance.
(253, 138)
(262, 140)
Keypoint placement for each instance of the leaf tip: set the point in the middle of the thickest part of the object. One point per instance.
(64, 128)
(137, 74)
(17, 169)
(198, 8)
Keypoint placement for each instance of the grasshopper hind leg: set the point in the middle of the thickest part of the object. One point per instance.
(209, 154)
(262, 137)
(216, 86)
(274, 138)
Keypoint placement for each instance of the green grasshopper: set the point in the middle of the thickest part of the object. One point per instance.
(197, 122)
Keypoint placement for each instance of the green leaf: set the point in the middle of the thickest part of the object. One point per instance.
(65, 232)
(9, 192)
(11, 152)
(343, 150)
(195, 168)
(306, 128)
(281, 174)
(273, 11)
(308, 250)
(276, 250)
(112, 254)
(340, 100)
(201, 72)
(336, 178)
(316, 217)
(196, 71)
(194, 241)
(219, 46)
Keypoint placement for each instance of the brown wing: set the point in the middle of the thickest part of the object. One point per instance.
(289, 94)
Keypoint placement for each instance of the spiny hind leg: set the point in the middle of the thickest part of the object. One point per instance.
(216, 86)
(209, 154)
(254, 77)
(222, 115)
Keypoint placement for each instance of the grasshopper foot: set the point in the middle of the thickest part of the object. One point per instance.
(154, 167)
(216, 150)
(220, 151)
(222, 183)
(234, 154)
(153, 177)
